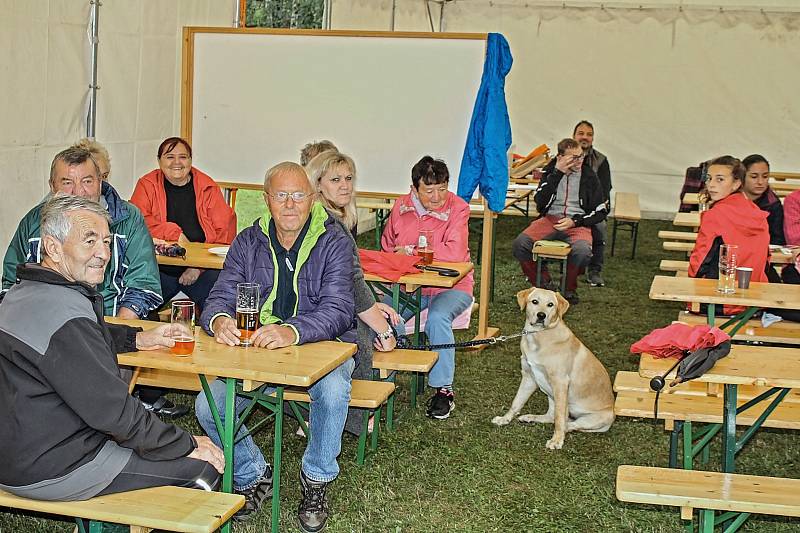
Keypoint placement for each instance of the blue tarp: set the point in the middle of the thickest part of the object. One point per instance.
(485, 161)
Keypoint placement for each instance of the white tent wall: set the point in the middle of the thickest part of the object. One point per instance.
(45, 75)
(665, 87)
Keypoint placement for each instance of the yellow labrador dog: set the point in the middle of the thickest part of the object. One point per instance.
(553, 359)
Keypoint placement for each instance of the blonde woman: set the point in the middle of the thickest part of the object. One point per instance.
(333, 175)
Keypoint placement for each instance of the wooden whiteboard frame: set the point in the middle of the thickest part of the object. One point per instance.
(187, 99)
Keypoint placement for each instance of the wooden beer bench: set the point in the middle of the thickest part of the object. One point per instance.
(733, 494)
(783, 332)
(626, 213)
(170, 508)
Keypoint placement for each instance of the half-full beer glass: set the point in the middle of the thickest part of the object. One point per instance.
(247, 295)
(182, 320)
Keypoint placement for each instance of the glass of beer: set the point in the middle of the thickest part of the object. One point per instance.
(726, 283)
(247, 295)
(425, 246)
(182, 320)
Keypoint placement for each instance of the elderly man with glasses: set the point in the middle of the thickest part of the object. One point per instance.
(303, 261)
(570, 201)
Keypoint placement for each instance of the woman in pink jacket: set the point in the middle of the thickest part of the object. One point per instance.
(178, 200)
(430, 206)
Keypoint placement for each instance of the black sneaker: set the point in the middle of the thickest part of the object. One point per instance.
(594, 279)
(255, 496)
(572, 297)
(165, 408)
(313, 509)
(441, 404)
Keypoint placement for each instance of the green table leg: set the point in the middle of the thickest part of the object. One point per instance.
(276, 459)
(729, 428)
(225, 431)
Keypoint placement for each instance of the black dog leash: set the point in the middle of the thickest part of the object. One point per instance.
(404, 342)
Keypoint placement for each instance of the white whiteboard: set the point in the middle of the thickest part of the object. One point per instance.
(258, 98)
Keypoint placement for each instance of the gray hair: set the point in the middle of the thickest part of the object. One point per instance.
(287, 167)
(312, 149)
(318, 168)
(74, 155)
(55, 214)
(97, 150)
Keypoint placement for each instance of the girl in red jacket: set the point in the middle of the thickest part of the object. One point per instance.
(732, 219)
(177, 200)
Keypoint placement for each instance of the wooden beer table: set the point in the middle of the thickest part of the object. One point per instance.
(776, 368)
(411, 296)
(704, 291)
(197, 256)
(689, 220)
(245, 370)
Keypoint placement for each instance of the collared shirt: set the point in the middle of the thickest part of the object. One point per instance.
(286, 297)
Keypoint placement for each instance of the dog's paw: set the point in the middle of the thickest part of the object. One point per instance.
(535, 419)
(501, 420)
(555, 443)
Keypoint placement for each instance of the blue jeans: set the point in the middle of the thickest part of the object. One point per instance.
(329, 399)
(443, 308)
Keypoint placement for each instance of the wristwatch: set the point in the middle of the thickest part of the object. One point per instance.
(386, 335)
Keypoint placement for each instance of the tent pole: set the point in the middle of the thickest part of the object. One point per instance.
(91, 121)
(394, 8)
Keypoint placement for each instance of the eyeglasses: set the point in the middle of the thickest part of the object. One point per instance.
(297, 196)
(575, 158)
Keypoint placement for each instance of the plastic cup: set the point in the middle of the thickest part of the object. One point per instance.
(182, 320)
(743, 275)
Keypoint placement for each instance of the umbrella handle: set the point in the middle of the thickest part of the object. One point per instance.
(658, 382)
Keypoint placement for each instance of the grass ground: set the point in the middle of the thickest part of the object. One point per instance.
(465, 474)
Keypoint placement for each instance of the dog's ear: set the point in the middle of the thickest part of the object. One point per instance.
(522, 298)
(563, 304)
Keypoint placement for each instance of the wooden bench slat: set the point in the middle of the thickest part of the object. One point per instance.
(706, 409)
(671, 265)
(171, 508)
(784, 332)
(633, 382)
(673, 246)
(708, 490)
(677, 235)
(365, 394)
(626, 206)
(405, 360)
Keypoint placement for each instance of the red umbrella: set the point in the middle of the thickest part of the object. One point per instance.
(678, 338)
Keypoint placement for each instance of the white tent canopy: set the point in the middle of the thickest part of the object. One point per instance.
(45, 64)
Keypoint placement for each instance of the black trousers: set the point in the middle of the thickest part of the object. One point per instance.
(182, 472)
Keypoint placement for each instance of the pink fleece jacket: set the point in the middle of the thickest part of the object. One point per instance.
(450, 237)
(791, 218)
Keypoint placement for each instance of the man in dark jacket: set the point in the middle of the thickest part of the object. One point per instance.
(584, 134)
(302, 260)
(570, 201)
(69, 430)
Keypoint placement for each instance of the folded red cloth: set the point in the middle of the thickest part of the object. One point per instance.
(387, 265)
(675, 339)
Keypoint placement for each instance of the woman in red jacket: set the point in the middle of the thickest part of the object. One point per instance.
(732, 219)
(177, 200)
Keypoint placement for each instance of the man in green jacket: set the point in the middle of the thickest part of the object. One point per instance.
(131, 286)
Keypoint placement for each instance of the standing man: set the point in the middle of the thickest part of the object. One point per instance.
(130, 286)
(584, 134)
(303, 260)
(69, 430)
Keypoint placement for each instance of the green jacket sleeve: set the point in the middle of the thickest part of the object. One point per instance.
(142, 284)
(17, 252)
